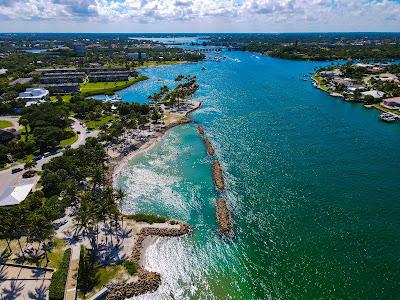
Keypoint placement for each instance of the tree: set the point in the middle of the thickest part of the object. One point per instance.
(25, 123)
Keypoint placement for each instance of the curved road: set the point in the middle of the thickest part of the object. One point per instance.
(13, 120)
(8, 179)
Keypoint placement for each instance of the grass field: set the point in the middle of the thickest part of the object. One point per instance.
(5, 124)
(69, 141)
(98, 88)
(66, 98)
(95, 124)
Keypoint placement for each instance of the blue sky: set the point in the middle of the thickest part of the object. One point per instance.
(199, 15)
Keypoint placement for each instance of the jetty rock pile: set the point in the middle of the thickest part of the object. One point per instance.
(223, 216)
(218, 176)
(210, 148)
(148, 281)
(201, 130)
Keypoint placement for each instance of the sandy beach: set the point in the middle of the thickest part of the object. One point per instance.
(117, 165)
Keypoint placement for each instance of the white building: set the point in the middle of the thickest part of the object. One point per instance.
(34, 95)
(374, 93)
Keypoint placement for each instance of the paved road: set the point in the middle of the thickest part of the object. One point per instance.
(8, 179)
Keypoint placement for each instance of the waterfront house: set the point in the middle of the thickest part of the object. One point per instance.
(34, 94)
(331, 73)
(391, 103)
(62, 88)
(374, 93)
(108, 77)
(63, 79)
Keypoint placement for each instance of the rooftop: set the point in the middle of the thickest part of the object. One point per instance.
(14, 195)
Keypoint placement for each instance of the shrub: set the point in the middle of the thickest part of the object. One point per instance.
(130, 267)
(59, 278)
(147, 218)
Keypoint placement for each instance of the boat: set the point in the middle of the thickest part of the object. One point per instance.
(114, 98)
(387, 117)
(203, 69)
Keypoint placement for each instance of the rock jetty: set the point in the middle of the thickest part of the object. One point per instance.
(224, 219)
(201, 130)
(148, 281)
(210, 148)
(218, 176)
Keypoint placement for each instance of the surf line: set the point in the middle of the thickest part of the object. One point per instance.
(223, 212)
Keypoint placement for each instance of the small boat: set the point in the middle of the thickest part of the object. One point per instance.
(387, 117)
(304, 79)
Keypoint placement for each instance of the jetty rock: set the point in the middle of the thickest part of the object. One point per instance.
(218, 176)
(224, 218)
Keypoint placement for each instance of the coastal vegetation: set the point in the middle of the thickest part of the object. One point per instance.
(147, 218)
(98, 88)
(59, 278)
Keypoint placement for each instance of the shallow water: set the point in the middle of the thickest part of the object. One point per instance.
(313, 183)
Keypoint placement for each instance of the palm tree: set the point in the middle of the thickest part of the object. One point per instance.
(120, 200)
(25, 123)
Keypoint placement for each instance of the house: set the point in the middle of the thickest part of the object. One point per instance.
(137, 55)
(3, 72)
(391, 103)
(374, 93)
(34, 94)
(63, 79)
(108, 77)
(62, 88)
(14, 195)
(388, 77)
(347, 82)
(331, 73)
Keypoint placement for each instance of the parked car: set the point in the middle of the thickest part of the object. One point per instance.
(39, 157)
(46, 154)
(68, 147)
(78, 132)
(28, 174)
(16, 170)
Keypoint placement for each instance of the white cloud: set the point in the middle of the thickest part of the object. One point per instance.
(249, 13)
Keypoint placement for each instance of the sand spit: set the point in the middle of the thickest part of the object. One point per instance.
(224, 219)
(148, 281)
(218, 176)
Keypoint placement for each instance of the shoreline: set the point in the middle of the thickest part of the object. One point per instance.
(117, 165)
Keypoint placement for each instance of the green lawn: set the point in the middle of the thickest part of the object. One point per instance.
(95, 124)
(66, 98)
(381, 108)
(98, 88)
(5, 124)
(69, 141)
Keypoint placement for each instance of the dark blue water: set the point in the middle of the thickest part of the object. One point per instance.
(313, 183)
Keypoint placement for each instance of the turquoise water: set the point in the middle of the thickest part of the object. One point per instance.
(313, 183)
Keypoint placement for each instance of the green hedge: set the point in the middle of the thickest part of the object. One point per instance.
(59, 278)
(147, 218)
